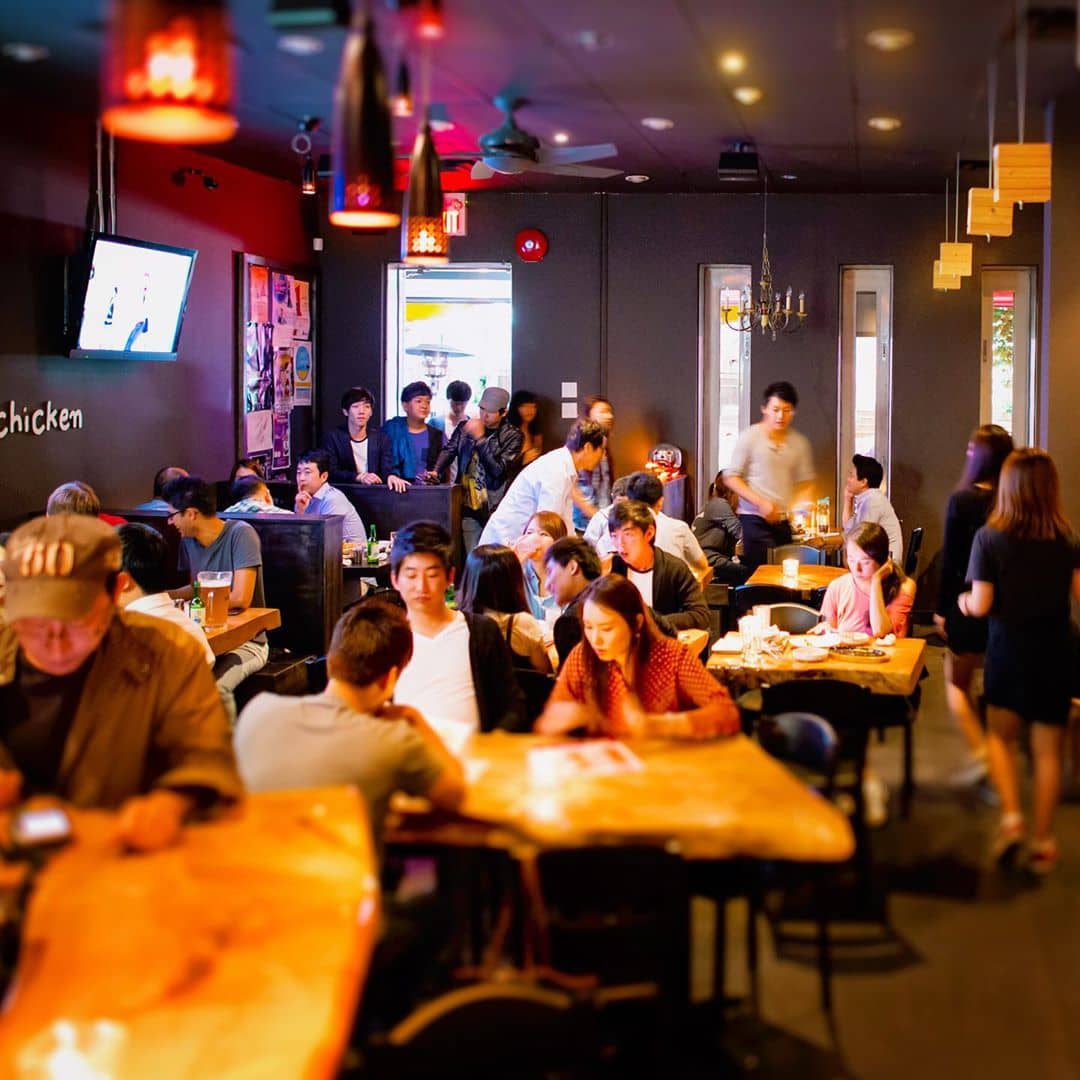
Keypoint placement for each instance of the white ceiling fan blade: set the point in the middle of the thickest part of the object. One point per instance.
(594, 171)
(568, 155)
(508, 164)
(481, 171)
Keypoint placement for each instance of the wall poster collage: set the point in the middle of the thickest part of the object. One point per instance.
(277, 360)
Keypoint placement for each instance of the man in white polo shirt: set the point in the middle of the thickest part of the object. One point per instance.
(547, 484)
(461, 672)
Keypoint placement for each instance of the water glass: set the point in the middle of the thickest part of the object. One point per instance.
(750, 633)
(790, 569)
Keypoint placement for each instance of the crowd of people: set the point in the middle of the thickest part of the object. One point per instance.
(110, 696)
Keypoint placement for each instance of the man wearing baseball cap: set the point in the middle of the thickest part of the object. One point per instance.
(102, 708)
(485, 449)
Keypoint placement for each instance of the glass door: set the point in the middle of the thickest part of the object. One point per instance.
(1007, 370)
(865, 392)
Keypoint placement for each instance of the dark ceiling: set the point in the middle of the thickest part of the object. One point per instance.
(595, 68)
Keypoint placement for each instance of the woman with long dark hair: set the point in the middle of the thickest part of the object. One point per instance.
(523, 414)
(493, 585)
(966, 513)
(1025, 566)
(625, 679)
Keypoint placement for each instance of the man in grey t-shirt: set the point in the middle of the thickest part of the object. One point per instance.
(772, 471)
(211, 543)
(351, 733)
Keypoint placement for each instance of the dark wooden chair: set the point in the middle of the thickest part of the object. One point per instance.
(746, 597)
(911, 559)
(794, 618)
(807, 555)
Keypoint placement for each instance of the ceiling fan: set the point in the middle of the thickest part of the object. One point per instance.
(510, 149)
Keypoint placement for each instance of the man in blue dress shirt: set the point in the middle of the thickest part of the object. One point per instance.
(316, 495)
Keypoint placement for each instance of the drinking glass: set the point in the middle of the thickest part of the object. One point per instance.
(215, 586)
(750, 633)
(790, 569)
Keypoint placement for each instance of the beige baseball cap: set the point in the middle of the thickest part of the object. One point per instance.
(56, 567)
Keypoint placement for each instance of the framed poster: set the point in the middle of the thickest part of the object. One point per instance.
(276, 334)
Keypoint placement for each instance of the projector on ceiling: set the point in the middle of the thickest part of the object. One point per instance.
(738, 165)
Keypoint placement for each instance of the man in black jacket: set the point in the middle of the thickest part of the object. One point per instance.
(461, 673)
(665, 582)
(359, 451)
(485, 449)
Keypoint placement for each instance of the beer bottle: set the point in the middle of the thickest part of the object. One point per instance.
(197, 609)
(373, 548)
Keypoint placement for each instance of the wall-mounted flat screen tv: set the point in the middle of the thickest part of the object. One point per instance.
(133, 304)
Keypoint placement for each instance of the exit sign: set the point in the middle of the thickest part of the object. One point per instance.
(455, 213)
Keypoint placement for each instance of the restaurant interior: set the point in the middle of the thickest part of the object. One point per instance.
(791, 191)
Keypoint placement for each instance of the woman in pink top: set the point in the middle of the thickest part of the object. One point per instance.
(876, 597)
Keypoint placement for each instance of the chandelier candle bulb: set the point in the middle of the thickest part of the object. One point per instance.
(787, 301)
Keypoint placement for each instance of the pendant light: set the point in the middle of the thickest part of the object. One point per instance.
(423, 232)
(362, 185)
(1022, 170)
(943, 279)
(984, 216)
(955, 257)
(168, 72)
(401, 104)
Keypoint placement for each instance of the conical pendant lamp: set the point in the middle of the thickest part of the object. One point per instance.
(168, 72)
(362, 185)
(423, 233)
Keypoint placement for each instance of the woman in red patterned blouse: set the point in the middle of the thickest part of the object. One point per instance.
(626, 679)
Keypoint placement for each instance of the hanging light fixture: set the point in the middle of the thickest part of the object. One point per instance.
(985, 217)
(943, 278)
(401, 104)
(423, 232)
(771, 312)
(362, 184)
(168, 72)
(955, 257)
(301, 144)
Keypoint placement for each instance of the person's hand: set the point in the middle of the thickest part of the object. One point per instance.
(302, 501)
(152, 822)
(429, 476)
(407, 713)
(395, 483)
(884, 570)
(962, 603)
(475, 428)
(10, 787)
(528, 547)
(635, 717)
(559, 717)
(369, 478)
(769, 511)
(819, 628)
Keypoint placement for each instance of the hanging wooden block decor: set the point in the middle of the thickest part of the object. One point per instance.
(956, 259)
(986, 217)
(943, 280)
(1022, 172)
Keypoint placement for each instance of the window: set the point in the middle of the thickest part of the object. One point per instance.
(724, 365)
(1007, 374)
(447, 323)
(865, 368)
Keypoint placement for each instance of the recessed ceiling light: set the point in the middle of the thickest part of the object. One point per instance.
(884, 123)
(747, 95)
(300, 44)
(560, 137)
(789, 176)
(636, 178)
(591, 40)
(24, 52)
(732, 62)
(890, 38)
(658, 123)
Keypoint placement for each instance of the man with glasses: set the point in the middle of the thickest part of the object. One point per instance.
(772, 471)
(100, 707)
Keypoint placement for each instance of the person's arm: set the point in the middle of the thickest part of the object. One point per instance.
(880, 619)
(566, 709)
(690, 611)
(980, 600)
(449, 453)
(847, 514)
(955, 552)
(341, 471)
(498, 452)
(243, 588)
(693, 555)
(764, 506)
(708, 709)
(830, 615)
(583, 504)
(530, 632)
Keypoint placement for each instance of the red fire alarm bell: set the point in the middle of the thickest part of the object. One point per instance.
(532, 245)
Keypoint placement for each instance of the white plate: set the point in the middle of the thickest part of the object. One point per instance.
(810, 655)
(854, 637)
(728, 645)
(823, 641)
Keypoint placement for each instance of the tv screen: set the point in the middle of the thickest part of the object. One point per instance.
(134, 301)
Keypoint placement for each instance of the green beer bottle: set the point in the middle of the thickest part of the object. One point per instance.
(373, 548)
(197, 609)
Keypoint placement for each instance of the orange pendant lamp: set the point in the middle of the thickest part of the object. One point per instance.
(423, 233)
(362, 185)
(168, 72)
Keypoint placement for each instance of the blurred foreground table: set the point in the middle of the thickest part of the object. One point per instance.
(719, 799)
(238, 953)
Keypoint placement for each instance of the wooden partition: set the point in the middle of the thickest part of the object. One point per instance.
(301, 572)
(389, 511)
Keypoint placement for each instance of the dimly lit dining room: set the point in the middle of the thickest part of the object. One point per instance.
(539, 539)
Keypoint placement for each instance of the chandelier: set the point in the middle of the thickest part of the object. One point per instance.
(772, 311)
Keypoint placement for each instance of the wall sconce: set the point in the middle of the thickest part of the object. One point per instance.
(168, 72)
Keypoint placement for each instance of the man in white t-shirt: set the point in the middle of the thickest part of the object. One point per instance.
(865, 501)
(548, 483)
(143, 582)
(461, 672)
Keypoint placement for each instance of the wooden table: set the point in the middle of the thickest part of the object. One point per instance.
(694, 640)
(711, 800)
(899, 674)
(242, 626)
(810, 577)
(239, 953)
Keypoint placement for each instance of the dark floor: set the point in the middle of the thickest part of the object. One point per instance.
(982, 978)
